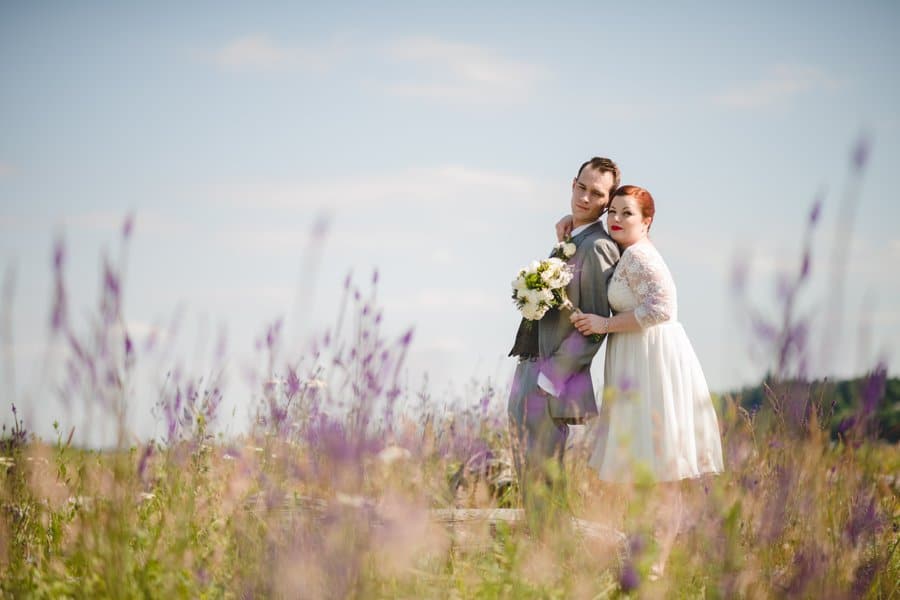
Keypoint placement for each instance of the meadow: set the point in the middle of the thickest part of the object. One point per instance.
(350, 485)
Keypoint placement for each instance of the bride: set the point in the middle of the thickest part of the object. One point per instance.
(657, 416)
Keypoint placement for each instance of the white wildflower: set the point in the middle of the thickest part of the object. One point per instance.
(392, 454)
(353, 500)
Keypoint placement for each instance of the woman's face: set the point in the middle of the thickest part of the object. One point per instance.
(624, 220)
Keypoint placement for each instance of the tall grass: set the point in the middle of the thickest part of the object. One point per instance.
(337, 488)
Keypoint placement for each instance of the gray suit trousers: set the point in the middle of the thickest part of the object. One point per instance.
(538, 444)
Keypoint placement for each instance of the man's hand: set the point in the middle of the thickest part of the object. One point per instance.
(564, 228)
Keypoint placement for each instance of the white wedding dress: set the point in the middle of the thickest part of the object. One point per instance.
(656, 416)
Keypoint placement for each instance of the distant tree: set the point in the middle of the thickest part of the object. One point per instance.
(840, 405)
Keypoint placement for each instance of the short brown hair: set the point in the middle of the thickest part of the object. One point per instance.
(604, 165)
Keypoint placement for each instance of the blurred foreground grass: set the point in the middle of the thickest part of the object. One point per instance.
(795, 515)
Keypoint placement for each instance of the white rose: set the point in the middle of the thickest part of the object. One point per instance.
(560, 276)
(530, 311)
(569, 249)
(519, 285)
(532, 296)
(533, 312)
(556, 263)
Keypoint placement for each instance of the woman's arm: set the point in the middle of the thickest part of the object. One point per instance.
(648, 280)
(589, 324)
(563, 228)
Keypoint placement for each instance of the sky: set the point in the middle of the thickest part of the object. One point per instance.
(436, 143)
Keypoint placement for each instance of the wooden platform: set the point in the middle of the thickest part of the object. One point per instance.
(590, 529)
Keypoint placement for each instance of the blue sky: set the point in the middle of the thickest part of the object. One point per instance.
(439, 140)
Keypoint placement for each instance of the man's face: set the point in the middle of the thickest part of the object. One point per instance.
(590, 195)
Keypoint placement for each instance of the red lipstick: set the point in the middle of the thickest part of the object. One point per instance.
(616, 228)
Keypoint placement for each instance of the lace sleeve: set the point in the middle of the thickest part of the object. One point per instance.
(652, 285)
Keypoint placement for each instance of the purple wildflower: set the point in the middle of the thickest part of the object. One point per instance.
(145, 457)
(292, 383)
(763, 330)
(636, 545)
(112, 294)
(805, 266)
(212, 404)
(626, 384)
(319, 228)
(272, 335)
(783, 287)
(864, 576)
(629, 580)
(739, 272)
(58, 313)
(873, 391)
(864, 519)
(816, 211)
(127, 226)
(861, 152)
(59, 255)
(808, 566)
(774, 520)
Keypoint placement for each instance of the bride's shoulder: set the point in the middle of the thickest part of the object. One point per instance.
(641, 251)
(642, 257)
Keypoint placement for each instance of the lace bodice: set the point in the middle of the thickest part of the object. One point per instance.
(642, 282)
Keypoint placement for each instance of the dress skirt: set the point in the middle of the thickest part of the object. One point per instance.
(656, 417)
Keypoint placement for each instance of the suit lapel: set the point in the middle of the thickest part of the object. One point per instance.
(587, 231)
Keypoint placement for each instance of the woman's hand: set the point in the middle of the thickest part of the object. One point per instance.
(589, 324)
(563, 228)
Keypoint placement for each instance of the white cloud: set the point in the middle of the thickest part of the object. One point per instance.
(893, 249)
(630, 110)
(98, 220)
(12, 223)
(442, 344)
(450, 301)
(144, 222)
(145, 329)
(258, 52)
(442, 256)
(778, 87)
(462, 73)
(886, 317)
(25, 351)
(461, 185)
(270, 241)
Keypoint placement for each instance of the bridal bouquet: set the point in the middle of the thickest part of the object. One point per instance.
(541, 286)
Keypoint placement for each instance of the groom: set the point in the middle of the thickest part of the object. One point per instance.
(552, 385)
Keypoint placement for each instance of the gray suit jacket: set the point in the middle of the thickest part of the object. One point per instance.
(563, 354)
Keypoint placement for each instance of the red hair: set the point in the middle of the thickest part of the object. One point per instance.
(643, 198)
